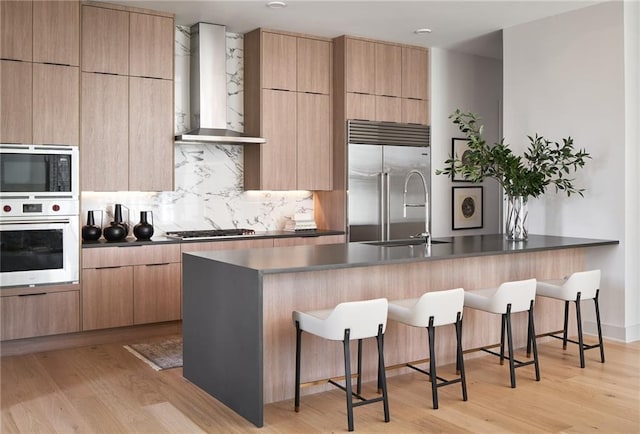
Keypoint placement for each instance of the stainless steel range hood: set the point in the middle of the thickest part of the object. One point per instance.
(208, 89)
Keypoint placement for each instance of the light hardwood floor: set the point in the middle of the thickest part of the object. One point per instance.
(105, 389)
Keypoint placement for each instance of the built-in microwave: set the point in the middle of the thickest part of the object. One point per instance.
(39, 172)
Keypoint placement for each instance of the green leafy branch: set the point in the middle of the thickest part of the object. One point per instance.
(544, 162)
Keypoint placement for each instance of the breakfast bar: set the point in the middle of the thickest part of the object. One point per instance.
(239, 340)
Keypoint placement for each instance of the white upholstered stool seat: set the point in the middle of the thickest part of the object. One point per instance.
(433, 309)
(508, 298)
(582, 285)
(348, 321)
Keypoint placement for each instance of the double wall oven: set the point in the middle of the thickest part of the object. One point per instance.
(39, 207)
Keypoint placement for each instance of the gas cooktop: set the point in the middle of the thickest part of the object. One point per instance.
(208, 234)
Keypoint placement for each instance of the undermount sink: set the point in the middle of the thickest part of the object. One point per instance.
(400, 243)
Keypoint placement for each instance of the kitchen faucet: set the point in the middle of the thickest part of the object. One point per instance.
(405, 205)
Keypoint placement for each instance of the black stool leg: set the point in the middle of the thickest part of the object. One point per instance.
(359, 378)
(382, 377)
(459, 358)
(532, 341)
(595, 301)
(347, 379)
(580, 337)
(298, 342)
(512, 369)
(529, 333)
(566, 325)
(432, 362)
(504, 321)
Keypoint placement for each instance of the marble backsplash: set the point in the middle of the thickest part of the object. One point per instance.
(208, 181)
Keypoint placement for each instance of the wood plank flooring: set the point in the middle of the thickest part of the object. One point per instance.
(105, 389)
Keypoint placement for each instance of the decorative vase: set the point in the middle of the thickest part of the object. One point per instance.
(144, 229)
(91, 232)
(118, 229)
(515, 220)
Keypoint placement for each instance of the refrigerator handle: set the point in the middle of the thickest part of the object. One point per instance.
(388, 204)
(382, 207)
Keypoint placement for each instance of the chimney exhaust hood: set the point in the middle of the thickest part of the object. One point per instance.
(208, 89)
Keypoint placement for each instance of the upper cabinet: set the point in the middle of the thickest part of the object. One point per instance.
(56, 32)
(151, 46)
(16, 27)
(359, 65)
(415, 73)
(287, 101)
(388, 70)
(105, 40)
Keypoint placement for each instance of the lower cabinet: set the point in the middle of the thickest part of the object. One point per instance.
(308, 241)
(29, 312)
(123, 286)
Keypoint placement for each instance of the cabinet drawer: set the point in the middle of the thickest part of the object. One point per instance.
(227, 245)
(99, 257)
(40, 314)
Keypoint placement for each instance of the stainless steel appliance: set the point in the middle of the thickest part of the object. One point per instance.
(208, 234)
(381, 160)
(38, 172)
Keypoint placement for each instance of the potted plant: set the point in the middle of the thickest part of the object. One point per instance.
(544, 163)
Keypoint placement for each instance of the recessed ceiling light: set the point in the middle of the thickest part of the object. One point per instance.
(276, 5)
(422, 31)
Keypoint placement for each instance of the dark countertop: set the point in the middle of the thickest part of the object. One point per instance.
(333, 256)
(161, 239)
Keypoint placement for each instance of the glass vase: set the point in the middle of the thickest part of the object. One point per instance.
(515, 220)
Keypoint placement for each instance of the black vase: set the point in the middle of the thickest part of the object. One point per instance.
(91, 232)
(118, 229)
(144, 229)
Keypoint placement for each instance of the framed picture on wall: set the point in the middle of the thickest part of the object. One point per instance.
(466, 207)
(459, 148)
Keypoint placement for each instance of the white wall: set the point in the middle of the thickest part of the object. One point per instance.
(565, 76)
(470, 83)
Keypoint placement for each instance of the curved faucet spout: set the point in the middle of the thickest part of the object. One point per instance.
(406, 205)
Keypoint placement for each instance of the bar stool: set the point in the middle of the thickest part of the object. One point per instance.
(510, 297)
(431, 310)
(583, 285)
(351, 320)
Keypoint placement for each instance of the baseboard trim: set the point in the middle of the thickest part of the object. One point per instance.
(616, 333)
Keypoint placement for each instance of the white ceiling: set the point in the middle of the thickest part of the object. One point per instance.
(471, 26)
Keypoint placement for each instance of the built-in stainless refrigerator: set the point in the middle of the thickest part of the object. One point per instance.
(376, 179)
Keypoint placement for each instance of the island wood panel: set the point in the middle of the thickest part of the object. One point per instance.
(415, 111)
(16, 123)
(104, 136)
(151, 46)
(56, 104)
(39, 313)
(105, 40)
(415, 73)
(130, 255)
(156, 293)
(283, 293)
(388, 109)
(56, 32)
(279, 61)
(388, 70)
(360, 65)
(313, 66)
(314, 142)
(16, 26)
(107, 297)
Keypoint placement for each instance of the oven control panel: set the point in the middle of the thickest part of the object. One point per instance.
(34, 208)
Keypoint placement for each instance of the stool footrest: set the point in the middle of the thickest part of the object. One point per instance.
(362, 399)
(517, 363)
(443, 381)
(584, 346)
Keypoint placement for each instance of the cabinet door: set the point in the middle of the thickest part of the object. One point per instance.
(39, 314)
(314, 142)
(278, 155)
(151, 46)
(314, 66)
(107, 297)
(361, 106)
(278, 61)
(56, 104)
(308, 241)
(156, 293)
(56, 32)
(360, 66)
(415, 111)
(105, 40)
(415, 73)
(104, 138)
(388, 109)
(150, 134)
(16, 26)
(16, 101)
(388, 70)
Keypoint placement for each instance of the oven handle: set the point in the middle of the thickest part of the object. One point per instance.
(34, 222)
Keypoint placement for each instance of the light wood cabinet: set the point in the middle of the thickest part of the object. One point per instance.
(313, 60)
(279, 65)
(314, 167)
(415, 111)
(56, 32)
(388, 109)
(104, 140)
(105, 40)
(227, 245)
(388, 70)
(56, 103)
(151, 40)
(360, 66)
(150, 134)
(360, 106)
(39, 312)
(308, 241)
(130, 285)
(16, 30)
(415, 73)
(16, 103)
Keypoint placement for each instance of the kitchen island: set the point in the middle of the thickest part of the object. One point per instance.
(239, 340)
